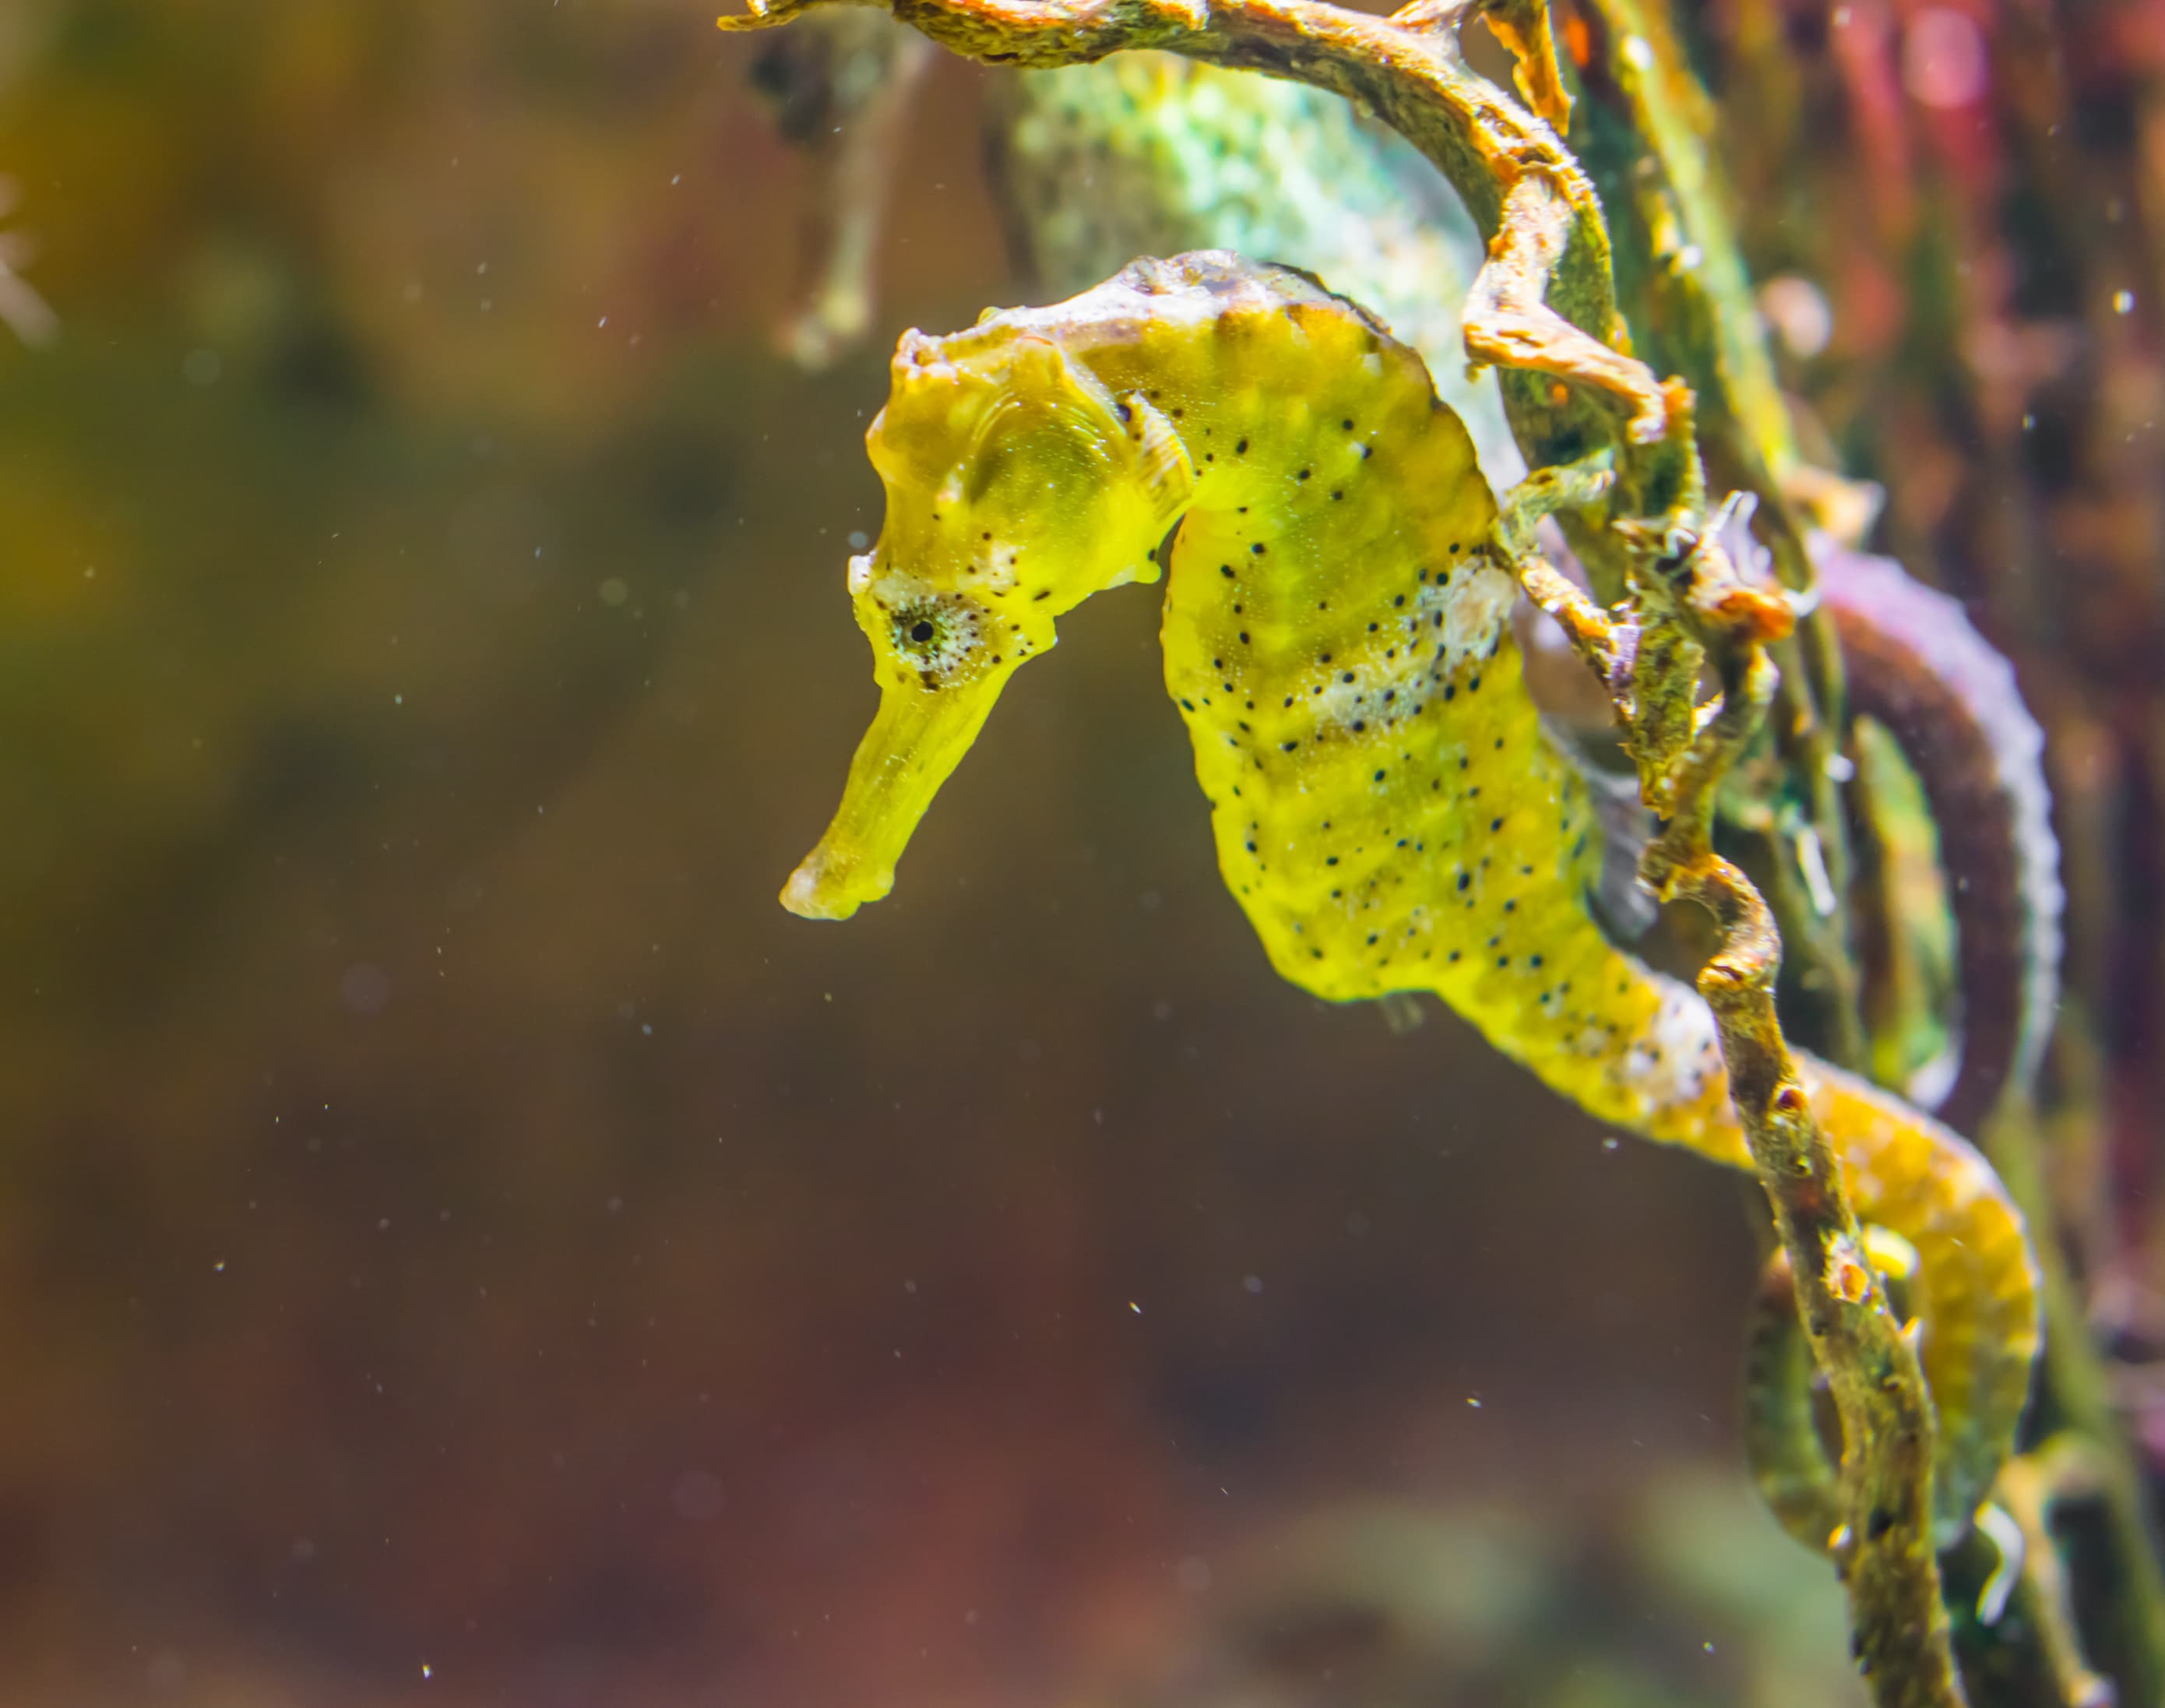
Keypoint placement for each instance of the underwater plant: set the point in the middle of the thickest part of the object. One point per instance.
(1388, 808)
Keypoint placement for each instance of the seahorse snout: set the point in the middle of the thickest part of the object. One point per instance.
(829, 886)
(912, 747)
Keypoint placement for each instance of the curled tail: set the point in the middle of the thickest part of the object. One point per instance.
(1918, 667)
(1968, 1275)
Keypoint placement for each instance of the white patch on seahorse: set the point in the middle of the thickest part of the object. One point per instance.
(1475, 606)
(1670, 1064)
(1591, 1040)
(1374, 691)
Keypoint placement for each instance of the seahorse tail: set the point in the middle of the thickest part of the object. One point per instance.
(1918, 666)
(1975, 1290)
(1964, 1268)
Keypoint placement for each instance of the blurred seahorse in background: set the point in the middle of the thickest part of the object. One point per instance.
(1154, 154)
(1389, 809)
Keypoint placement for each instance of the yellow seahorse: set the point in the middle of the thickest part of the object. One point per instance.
(1388, 808)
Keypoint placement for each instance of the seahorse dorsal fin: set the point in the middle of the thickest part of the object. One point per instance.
(1167, 470)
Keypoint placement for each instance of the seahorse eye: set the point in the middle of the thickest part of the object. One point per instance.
(922, 628)
(936, 634)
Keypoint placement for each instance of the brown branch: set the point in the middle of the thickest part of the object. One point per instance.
(1884, 1548)
(1523, 27)
(1693, 302)
(1689, 604)
(1509, 323)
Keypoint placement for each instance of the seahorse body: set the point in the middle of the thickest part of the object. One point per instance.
(1386, 807)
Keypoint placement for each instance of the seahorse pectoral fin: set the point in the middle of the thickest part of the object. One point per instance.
(914, 743)
(1164, 473)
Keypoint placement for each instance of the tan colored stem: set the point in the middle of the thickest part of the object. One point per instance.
(1885, 1550)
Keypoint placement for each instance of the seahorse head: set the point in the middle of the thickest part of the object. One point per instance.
(1017, 486)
